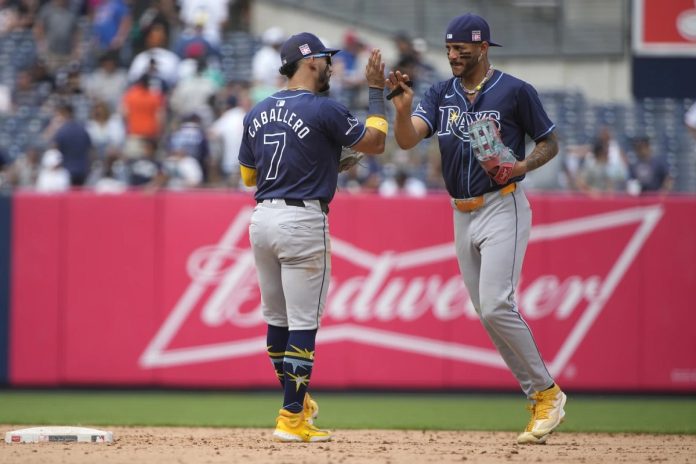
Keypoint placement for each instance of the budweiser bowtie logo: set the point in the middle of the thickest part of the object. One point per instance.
(389, 289)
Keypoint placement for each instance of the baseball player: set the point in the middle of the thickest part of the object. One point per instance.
(290, 151)
(492, 217)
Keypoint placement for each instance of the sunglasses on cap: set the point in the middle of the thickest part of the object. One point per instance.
(322, 55)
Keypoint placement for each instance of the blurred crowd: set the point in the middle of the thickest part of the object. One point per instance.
(133, 95)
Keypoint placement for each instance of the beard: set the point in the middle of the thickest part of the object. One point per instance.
(323, 81)
(469, 63)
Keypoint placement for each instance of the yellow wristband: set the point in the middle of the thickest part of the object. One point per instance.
(378, 123)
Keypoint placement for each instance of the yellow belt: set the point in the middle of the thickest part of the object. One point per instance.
(467, 205)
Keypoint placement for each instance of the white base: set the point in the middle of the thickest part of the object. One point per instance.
(59, 435)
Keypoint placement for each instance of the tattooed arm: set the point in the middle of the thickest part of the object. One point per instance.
(543, 152)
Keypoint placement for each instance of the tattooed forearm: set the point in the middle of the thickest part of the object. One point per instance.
(544, 151)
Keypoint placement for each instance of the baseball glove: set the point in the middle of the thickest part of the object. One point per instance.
(493, 156)
(349, 158)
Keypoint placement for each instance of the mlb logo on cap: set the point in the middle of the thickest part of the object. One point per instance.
(475, 36)
(305, 50)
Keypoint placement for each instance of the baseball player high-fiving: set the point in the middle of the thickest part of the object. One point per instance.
(290, 151)
(481, 117)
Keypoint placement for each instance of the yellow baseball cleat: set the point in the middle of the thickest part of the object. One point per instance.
(310, 409)
(526, 437)
(547, 414)
(292, 427)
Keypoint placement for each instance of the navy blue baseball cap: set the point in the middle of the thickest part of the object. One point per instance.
(303, 45)
(469, 28)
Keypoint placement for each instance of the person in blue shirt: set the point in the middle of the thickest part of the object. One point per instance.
(290, 152)
(492, 221)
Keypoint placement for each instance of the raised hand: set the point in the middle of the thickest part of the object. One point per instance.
(374, 70)
(403, 101)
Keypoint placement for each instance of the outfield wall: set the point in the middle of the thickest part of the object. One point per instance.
(160, 290)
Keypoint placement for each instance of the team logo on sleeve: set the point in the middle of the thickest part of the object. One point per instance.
(352, 123)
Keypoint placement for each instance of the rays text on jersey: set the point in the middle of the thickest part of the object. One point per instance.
(454, 120)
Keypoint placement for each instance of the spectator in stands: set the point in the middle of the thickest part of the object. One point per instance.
(348, 79)
(398, 181)
(191, 140)
(57, 34)
(24, 172)
(573, 160)
(193, 44)
(266, 62)
(404, 46)
(26, 93)
(156, 59)
(229, 129)
(108, 81)
(105, 129)
(651, 172)
(212, 13)
(616, 155)
(143, 110)
(193, 94)
(112, 175)
(53, 177)
(8, 17)
(111, 26)
(74, 144)
(598, 176)
(43, 79)
(160, 13)
(182, 171)
(690, 120)
(146, 171)
(27, 10)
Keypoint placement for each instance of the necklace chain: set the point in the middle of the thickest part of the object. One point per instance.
(478, 88)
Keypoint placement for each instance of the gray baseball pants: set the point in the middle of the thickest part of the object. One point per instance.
(292, 252)
(490, 244)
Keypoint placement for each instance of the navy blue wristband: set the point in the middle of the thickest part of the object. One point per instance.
(376, 102)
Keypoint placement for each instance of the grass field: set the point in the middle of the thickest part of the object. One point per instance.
(343, 411)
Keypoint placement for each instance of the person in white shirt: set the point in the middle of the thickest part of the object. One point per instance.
(266, 61)
(53, 177)
(228, 129)
(213, 14)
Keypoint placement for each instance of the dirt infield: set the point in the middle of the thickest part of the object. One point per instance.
(214, 445)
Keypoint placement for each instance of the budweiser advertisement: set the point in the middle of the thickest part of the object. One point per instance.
(161, 290)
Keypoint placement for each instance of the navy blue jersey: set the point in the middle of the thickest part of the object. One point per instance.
(293, 139)
(512, 103)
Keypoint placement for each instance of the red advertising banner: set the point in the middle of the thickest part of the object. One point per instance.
(664, 28)
(160, 290)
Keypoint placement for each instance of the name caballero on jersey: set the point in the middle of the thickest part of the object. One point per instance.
(278, 114)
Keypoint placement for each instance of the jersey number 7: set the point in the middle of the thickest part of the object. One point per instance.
(277, 140)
